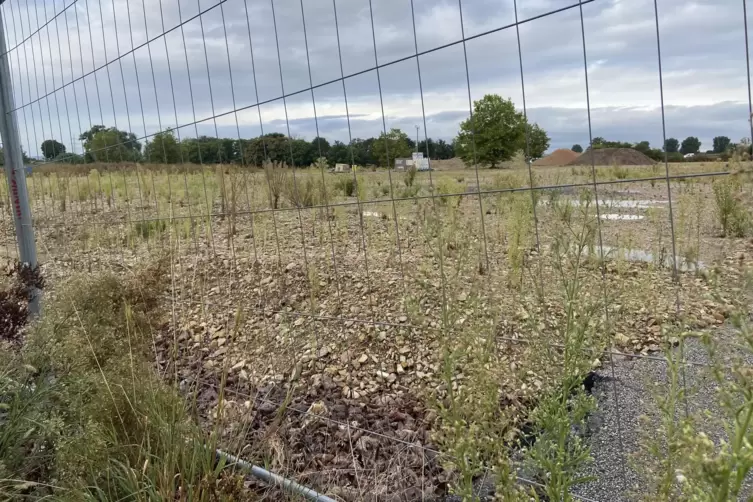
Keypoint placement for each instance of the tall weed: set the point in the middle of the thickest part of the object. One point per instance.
(277, 180)
(346, 185)
(519, 233)
(690, 464)
(84, 415)
(561, 451)
(732, 214)
(410, 176)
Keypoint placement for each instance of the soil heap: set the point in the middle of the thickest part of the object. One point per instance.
(612, 156)
(559, 157)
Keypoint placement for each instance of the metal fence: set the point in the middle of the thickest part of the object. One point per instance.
(291, 275)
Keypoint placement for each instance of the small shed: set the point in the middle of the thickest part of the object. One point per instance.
(342, 168)
(418, 161)
(403, 164)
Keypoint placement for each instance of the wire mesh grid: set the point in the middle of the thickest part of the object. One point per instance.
(176, 129)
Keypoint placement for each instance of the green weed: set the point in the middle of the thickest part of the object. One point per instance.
(304, 192)
(560, 451)
(519, 232)
(84, 415)
(347, 186)
(145, 229)
(277, 180)
(410, 176)
(620, 172)
(733, 216)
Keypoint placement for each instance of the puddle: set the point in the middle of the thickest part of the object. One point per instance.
(632, 204)
(620, 193)
(642, 256)
(625, 217)
(620, 204)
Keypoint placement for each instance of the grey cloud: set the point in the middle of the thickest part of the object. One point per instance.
(702, 54)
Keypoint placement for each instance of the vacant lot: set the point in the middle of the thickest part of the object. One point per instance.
(435, 309)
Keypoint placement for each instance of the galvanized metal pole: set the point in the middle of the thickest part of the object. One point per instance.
(14, 169)
(275, 479)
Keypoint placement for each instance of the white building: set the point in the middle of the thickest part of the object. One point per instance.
(417, 160)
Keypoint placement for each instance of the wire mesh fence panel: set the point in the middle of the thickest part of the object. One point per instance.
(415, 250)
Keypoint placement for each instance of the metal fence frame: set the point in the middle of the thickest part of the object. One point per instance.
(14, 168)
(10, 107)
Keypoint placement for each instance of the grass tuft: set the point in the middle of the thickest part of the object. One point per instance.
(85, 416)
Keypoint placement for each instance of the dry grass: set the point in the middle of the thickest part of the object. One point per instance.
(385, 311)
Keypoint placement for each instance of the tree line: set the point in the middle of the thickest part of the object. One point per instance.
(675, 150)
(108, 144)
(494, 133)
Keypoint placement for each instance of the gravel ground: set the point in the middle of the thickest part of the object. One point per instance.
(615, 442)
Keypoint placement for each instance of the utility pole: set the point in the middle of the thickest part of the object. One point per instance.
(417, 128)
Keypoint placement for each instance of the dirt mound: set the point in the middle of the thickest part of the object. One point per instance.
(560, 157)
(612, 156)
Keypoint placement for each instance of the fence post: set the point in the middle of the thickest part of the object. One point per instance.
(14, 168)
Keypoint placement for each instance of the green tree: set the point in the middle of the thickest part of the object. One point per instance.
(163, 148)
(339, 153)
(304, 153)
(108, 144)
(496, 128)
(321, 146)
(577, 148)
(363, 151)
(599, 142)
(443, 150)
(643, 147)
(538, 141)
(228, 150)
(52, 148)
(672, 145)
(70, 158)
(439, 149)
(721, 144)
(393, 145)
(23, 154)
(271, 147)
(691, 144)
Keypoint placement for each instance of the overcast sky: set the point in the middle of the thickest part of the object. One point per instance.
(702, 42)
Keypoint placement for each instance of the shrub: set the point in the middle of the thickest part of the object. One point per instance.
(320, 163)
(447, 186)
(277, 179)
(147, 228)
(410, 176)
(519, 227)
(83, 191)
(620, 172)
(410, 191)
(684, 463)
(506, 181)
(303, 191)
(346, 185)
(76, 422)
(63, 182)
(732, 214)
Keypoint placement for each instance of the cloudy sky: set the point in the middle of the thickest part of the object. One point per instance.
(205, 67)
